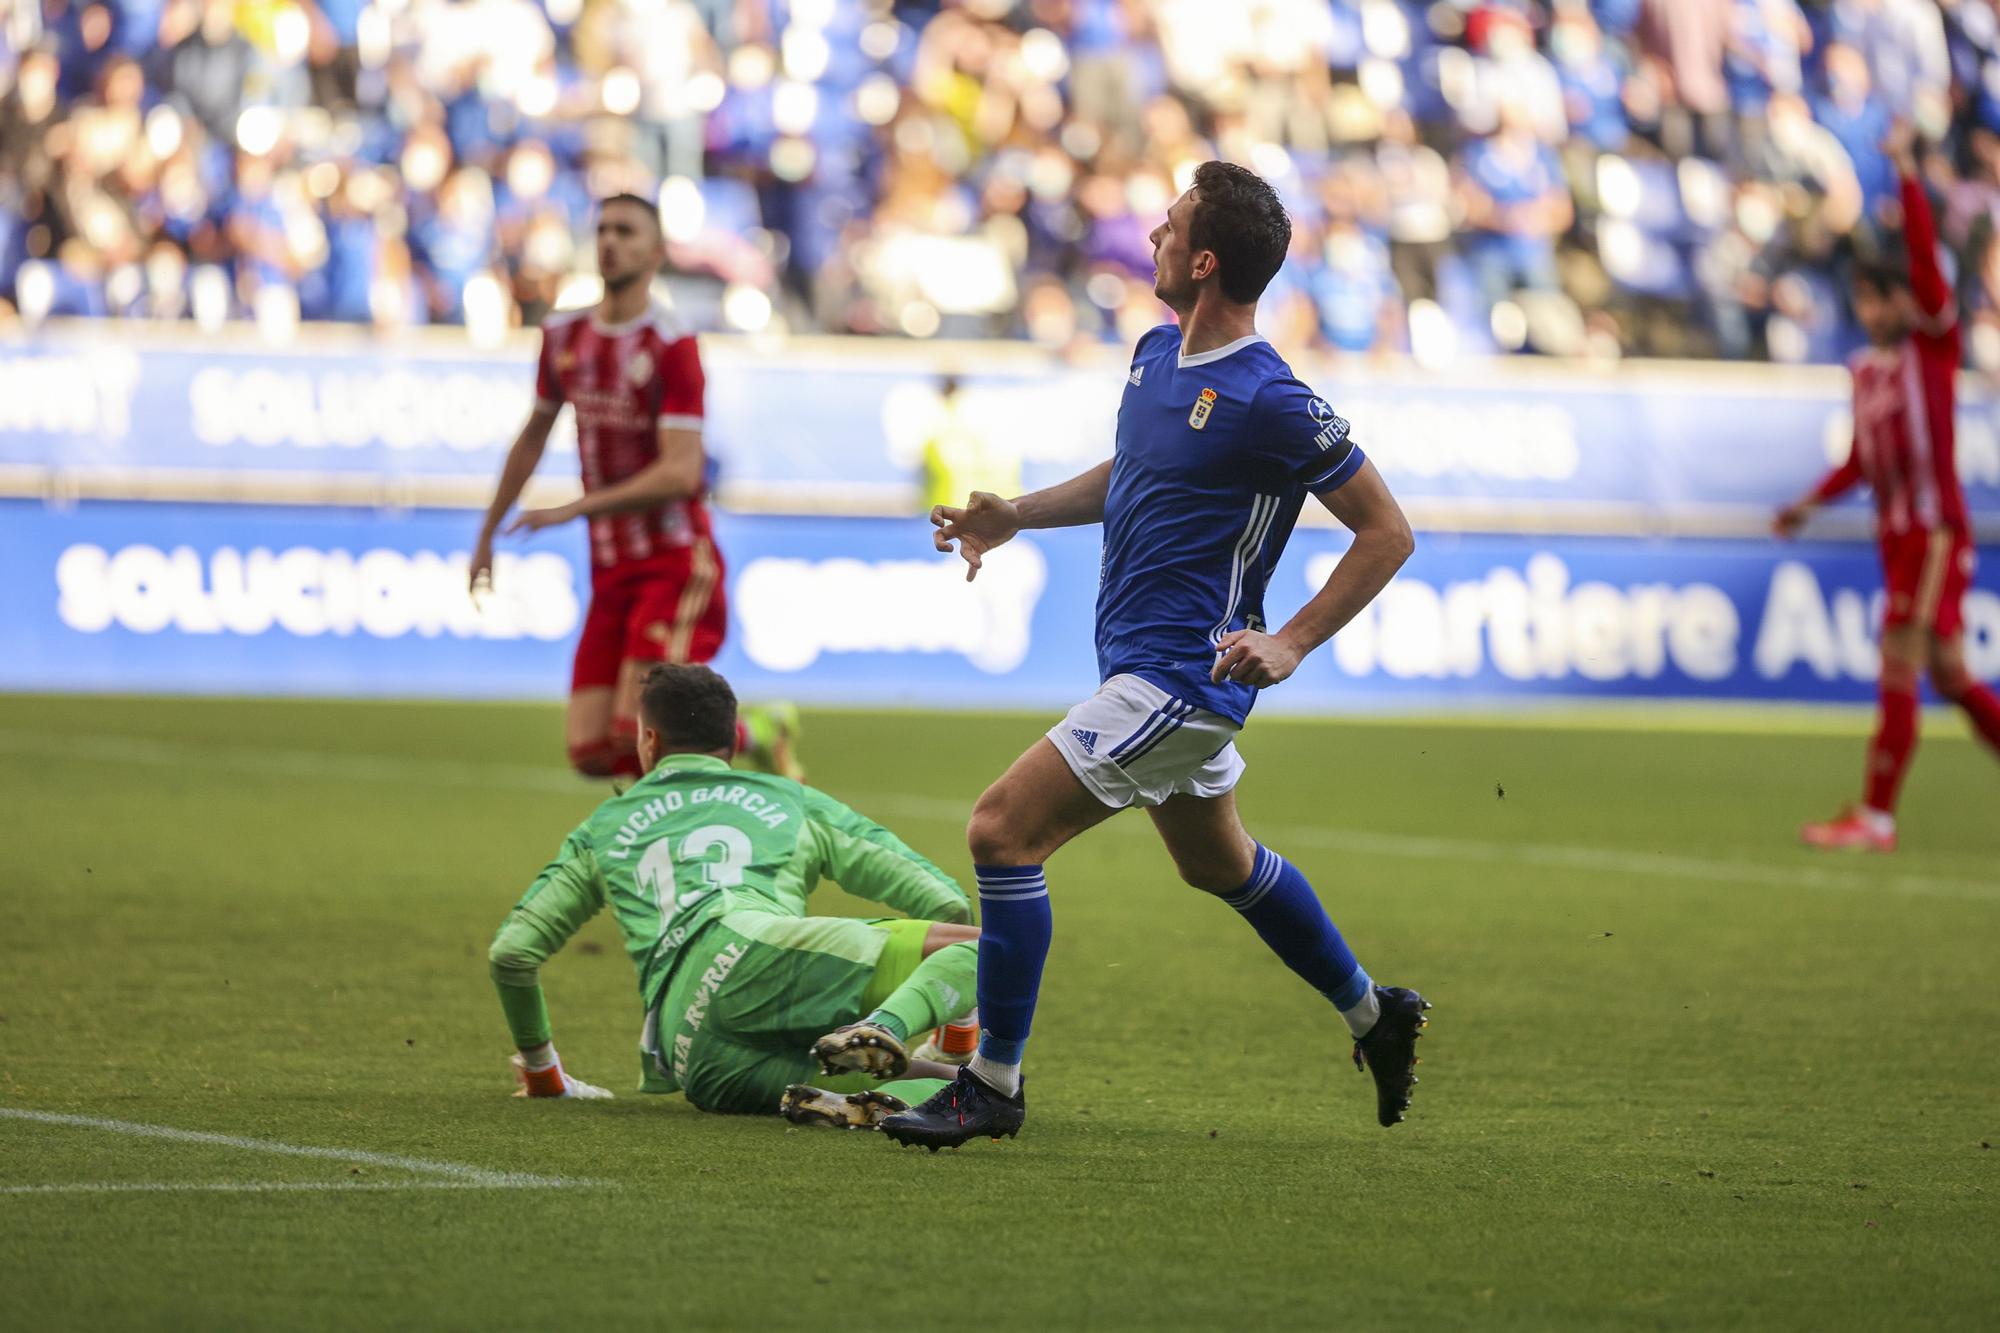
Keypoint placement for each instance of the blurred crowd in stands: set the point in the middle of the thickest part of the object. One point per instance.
(1574, 177)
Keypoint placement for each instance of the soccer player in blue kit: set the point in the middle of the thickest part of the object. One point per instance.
(1218, 447)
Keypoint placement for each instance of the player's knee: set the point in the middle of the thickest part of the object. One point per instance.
(1898, 674)
(987, 838)
(992, 836)
(505, 958)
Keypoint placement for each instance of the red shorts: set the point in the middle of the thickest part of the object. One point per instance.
(1927, 574)
(671, 608)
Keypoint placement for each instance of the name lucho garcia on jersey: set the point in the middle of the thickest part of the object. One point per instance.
(760, 808)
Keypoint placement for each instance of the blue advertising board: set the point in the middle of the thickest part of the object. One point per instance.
(245, 599)
(1513, 438)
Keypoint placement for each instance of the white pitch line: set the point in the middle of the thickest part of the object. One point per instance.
(477, 776)
(468, 1176)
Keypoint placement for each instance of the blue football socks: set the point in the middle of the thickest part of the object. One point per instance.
(1014, 929)
(1280, 905)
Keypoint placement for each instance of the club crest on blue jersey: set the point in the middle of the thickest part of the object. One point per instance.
(1202, 407)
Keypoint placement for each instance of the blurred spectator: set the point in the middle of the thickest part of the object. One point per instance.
(960, 456)
(1516, 204)
(1768, 42)
(1684, 42)
(1508, 70)
(1908, 60)
(1592, 83)
(1698, 175)
(1858, 119)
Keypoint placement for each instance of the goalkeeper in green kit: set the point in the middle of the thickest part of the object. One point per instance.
(707, 870)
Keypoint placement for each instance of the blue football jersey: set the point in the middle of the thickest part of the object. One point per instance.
(1216, 455)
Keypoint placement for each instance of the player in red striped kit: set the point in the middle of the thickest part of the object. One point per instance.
(633, 377)
(1905, 393)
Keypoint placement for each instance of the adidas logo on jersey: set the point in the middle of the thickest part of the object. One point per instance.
(1137, 371)
(1087, 739)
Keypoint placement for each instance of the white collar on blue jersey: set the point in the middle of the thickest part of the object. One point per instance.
(1217, 353)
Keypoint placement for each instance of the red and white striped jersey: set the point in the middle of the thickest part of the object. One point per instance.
(625, 383)
(1905, 402)
(1903, 436)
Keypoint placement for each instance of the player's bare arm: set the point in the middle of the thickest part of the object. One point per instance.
(988, 521)
(1382, 542)
(674, 475)
(522, 460)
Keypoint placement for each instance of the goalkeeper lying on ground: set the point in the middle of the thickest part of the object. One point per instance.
(707, 870)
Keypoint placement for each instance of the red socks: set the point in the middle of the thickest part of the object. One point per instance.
(625, 748)
(1983, 707)
(613, 756)
(598, 759)
(1894, 742)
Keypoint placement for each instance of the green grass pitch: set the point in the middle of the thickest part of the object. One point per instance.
(1680, 1075)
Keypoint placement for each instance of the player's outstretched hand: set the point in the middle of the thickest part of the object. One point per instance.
(480, 578)
(552, 1082)
(534, 520)
(986, 521)
(1253, 658)
(1789, 520)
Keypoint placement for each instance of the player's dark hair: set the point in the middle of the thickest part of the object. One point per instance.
(692, 708)
(1885, 277)
(646, 206)
(1239, 217)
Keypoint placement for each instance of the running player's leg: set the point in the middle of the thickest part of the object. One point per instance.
(1954, 682)
(1206, 839)
(664, 622)
(594, 678)
(1205, 836)
(1894, 743)
(1017, 824)
(1189, 781)
(1949, 674)
(625, 717)
(1913, 571)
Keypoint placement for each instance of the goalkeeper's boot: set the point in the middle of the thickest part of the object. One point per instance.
(771, 740)
(1854, 829)
(962, 1110)
(553, 1082)
(1389, 1050)
(804, 1104)
(862, 1048)
(952, 1044)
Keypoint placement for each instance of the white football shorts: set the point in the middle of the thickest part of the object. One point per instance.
(1132, 743)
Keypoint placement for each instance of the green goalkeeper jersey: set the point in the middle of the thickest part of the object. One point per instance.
(688, 843)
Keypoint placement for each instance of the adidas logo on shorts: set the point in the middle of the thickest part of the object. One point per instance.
(1087, 739)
